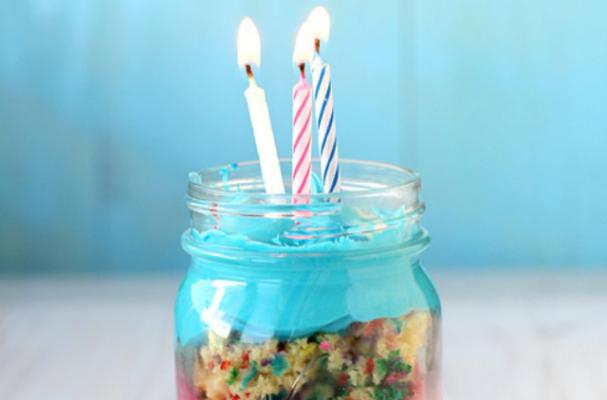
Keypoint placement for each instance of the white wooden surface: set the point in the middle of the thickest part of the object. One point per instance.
(515, 336)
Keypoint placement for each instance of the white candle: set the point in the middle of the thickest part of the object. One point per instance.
(249, 46)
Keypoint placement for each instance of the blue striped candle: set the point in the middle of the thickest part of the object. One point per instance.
(325, 120)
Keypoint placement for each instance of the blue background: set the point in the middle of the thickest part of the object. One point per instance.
(105, 105)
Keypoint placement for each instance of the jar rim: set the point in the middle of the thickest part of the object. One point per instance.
(204, 183)
(377, 200)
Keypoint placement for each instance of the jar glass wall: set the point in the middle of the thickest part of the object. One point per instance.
(318, 297)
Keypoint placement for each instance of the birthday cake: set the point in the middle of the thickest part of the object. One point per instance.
(379, 359)
(323, 306)
(311, 289)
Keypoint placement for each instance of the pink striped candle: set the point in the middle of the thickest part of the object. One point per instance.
(302, 124)
(302, 139)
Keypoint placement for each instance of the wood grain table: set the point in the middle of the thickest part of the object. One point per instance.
(514, 335)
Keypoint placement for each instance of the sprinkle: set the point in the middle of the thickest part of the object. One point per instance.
(382, 367)
(373, 326)
(245, 361)
(370, 366)
(325, 345)
(395, 377)
(225, 364)
(232, 376)
(279, 364)
(248, 377)
(387, 393)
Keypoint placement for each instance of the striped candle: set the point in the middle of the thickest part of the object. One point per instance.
(302, 140)
(325, 120)
(302, 119)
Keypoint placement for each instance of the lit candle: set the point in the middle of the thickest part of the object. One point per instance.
(323, 103)
(302, 116)
(249, 49)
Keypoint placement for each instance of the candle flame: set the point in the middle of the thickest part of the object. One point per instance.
(304, 44)
(248, 43)
(320, 23)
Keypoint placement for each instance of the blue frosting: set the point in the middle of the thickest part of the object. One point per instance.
(269, 282)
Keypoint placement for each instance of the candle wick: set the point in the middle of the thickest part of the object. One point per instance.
(302, 70)
(249, 71)
(317, 45)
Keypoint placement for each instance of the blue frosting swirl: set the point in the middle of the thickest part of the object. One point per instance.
(268, 279)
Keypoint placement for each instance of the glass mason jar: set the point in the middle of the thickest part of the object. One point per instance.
(317, 297)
